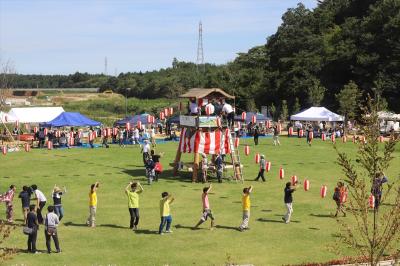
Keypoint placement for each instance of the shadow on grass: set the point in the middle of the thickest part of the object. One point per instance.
(313, 228)
(179, 226)
(321, 215)
(266, 210)
(6, 177)
(145, 232)
(112, 226)
(227, 227)
(275, 221)
(74, 224)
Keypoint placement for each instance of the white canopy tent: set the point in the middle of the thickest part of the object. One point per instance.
(317, 114)
(34, 114)
(6, 118)
(388, 115)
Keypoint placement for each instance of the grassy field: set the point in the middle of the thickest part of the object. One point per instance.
(268, 242)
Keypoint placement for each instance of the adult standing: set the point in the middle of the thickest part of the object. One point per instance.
(91, 137)
(193, 107)
(289, 189)
(40, 202)
(25, 196)
(210, 106)
(91, 220)
(32, 222)
(133, 190)
(146, 151)
(8, 199)
(227, 110)
(276, 136)
(50, 229)
(256, 134)
(58, 208)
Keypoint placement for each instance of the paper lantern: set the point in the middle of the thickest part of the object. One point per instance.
(380, 139)
(267, 124)
(323, 137)
(237, 140)
(115, 131)
(323, 191)
(49, 145)
(268, 166)
(290, 131)
(244, 116)
(104, 132)
(279, 128)
(71, 141)
(91, 136)
(301, 133)
(45, 131)
(247, 150)
(239, 125)
(208, 110)
(94, 133)
(281, 173)
(27, 147)
(80, 134)
(333, 139)
(109, 132)
(294, 180)
(254, 119)
(35, 130)
(306, 184)
(257, 158)
(166, 112)
(139, 124)
(162, 115)
(4, 150)
(128, 126)
(219, 122)
(371, 201)
(171, 111)
(344, 139)
(149, 119)
(310, 135)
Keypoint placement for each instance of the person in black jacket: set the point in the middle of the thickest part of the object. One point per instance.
(32, 222)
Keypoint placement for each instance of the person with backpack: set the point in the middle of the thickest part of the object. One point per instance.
(263, 165)
(50, 229)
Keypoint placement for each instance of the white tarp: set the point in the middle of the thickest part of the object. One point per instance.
(317, 114)
(388, 115)
(35, 114)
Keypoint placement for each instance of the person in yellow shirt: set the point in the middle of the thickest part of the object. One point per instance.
(246, 208)
(91, 220)
(133, 190)
(166, 218)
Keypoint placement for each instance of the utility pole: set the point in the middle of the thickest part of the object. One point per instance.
(105, 66)
(200, 54)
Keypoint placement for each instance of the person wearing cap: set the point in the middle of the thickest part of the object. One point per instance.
(262, 169)
(58, 208)
(146, 151)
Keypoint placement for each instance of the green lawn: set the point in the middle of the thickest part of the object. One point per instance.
(268, 242)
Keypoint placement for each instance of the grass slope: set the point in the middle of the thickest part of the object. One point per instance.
(268, 242)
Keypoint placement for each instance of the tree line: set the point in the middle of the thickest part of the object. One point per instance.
(332, 55)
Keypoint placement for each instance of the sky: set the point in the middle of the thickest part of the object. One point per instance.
(62, 37)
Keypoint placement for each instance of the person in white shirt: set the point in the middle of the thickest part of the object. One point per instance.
(40, 202)
(50, 229)
(211, 107)
(194, 109)
(136, 135)
(153, 137)
(227, 110)
(146, 151)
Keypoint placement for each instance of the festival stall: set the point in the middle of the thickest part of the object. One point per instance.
(69, 119)
(34, 115)
(248, 117)
(133, 120)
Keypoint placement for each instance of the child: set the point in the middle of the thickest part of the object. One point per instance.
(338, 198)
(262, 169)
(150, 172)
(246, 208)
(219, 164)
(204, 167)
(206, 208)
(8, 199)
(91, 220)
(165, 214)
(133, 202)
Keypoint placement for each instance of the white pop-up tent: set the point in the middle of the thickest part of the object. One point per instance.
(317, 114)
(5, 118)
(34, 114)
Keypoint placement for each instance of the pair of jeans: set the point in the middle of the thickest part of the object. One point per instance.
(261, 174)
(165, 220)
(39, 211)
(59, 210)
(32, 241)
(48, 240)
(134, 213)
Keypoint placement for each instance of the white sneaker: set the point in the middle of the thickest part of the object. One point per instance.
(168, 231)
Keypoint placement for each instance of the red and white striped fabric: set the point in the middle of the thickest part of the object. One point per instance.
(166, 112)
(244, 116)
(257, 158)
(45, 131)
(149, 119)
(344, 139)
(139, 124)
(237, 141)
(306, 184)
(27, 147)
(219, 124)
(247, 150)
(71, 141)
(109, 132)
(371, 201)
(49, 145)
(208, 110)
(91, 136)
(323, 191)
(301, 133)
(279, 128)
(254, 119)
(281, 173)
(290, 131)
(162, 115)
(4, 150)
(294, 180)
(171, 111)
(267, 124)
(310, 135)
(128, 126)
(104, 132)
(205, 142)
(115, 131)
(333, 139)
(323, 137)
(268, 166)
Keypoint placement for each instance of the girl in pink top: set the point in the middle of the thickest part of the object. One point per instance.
(206, 209)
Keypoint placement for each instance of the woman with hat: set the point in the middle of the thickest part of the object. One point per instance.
(58, 209)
